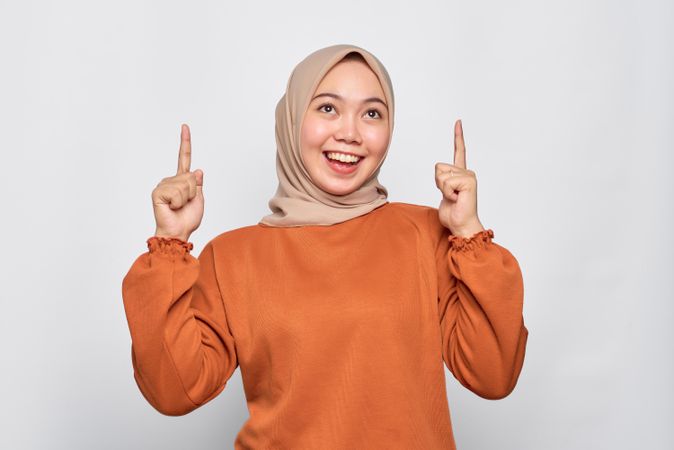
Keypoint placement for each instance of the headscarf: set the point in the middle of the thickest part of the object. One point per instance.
(298, 201)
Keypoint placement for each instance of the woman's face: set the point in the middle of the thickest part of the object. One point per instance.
(347, 115)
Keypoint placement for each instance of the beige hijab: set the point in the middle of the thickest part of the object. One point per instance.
(298, 201)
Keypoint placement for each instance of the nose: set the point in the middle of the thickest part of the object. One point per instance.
(348, 130)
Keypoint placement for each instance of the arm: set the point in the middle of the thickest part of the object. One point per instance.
(183, 352)
(480, 300)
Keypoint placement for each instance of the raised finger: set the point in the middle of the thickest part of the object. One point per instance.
(185, 153)
(459, 146)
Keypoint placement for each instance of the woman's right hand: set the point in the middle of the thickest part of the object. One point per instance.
(178, 201)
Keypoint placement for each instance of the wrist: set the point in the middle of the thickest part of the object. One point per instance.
(469, 230)
(163, 234)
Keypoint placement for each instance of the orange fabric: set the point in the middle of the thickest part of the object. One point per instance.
(340, 331)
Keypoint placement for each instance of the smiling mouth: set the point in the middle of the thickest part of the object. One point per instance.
(342, 167)
(360, 158)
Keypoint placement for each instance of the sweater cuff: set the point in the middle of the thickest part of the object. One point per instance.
(477, 240)
(168, 246)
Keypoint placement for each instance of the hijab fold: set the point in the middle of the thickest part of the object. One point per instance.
(298, 201)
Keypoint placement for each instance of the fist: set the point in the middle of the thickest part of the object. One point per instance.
(458, 185)
(178, 201)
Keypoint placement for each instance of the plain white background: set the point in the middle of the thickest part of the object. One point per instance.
(567, 110)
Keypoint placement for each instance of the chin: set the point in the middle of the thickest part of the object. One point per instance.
(340, 191)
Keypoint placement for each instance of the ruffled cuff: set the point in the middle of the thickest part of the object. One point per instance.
(477, 240)
(168, 246)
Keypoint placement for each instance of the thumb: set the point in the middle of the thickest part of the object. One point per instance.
(200, 182)
(200, 177)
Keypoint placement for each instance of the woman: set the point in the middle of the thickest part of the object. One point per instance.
(340, 307)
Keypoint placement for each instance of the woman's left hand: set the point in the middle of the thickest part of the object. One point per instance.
(458, 208)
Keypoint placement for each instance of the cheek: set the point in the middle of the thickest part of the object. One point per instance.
(377, 139)
(314, 134)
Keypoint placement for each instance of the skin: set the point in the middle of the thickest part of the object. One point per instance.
(178, 201)
(458, 184)
(352, 123)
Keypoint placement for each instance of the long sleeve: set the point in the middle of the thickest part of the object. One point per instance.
(182, 351)
(480, 301)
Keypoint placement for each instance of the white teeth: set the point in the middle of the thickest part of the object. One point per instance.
(343, 158)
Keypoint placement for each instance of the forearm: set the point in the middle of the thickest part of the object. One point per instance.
(181, 354)
(485, 336)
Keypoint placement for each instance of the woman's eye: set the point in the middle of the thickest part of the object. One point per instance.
(326, 105)
(329, 108)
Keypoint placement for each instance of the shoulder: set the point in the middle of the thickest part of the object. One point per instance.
(408, 208)
(417, 213)
(235, 239)
(423, 218)
(234, 250)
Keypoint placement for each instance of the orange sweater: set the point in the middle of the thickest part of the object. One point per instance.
(340, 331)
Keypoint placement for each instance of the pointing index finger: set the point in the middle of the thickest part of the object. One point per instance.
(185, 153)
(459, 146)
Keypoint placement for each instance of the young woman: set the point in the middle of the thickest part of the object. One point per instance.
(340, 307)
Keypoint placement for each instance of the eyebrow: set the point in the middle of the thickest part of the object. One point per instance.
(338, 97)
